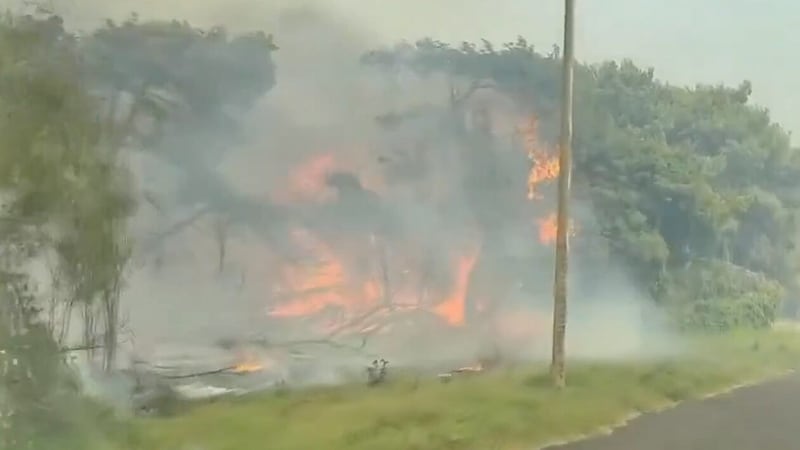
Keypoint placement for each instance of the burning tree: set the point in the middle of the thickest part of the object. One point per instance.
(706, 187)
(369, 262)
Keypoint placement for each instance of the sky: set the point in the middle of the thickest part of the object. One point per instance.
(686, 41)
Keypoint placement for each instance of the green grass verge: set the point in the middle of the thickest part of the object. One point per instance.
(509, 409)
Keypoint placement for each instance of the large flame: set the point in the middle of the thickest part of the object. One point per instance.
(453, 309)
(544, 164)
(544, 167)
(330, 286)
(329, 282)
(325, 283)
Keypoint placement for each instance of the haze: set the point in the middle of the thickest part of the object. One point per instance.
(325, 100)
(686, 41)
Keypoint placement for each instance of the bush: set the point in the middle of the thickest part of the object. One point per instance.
(716, 296)
(721, 315)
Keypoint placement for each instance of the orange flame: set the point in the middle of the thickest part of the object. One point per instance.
(337, 292)
(309, 290)
(307, 181)
(452, 310)
(544, 167)
(316, 287)
(548, 229)
(249, 364)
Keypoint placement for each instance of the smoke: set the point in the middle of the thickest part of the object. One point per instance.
(697, 44)
(325, 104)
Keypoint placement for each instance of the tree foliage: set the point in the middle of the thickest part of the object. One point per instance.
(675, 175)
(63, 196)
(166, 67)
(178, 92)
(717, 296)
(69, 106)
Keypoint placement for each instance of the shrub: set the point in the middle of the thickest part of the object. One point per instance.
(716, 296)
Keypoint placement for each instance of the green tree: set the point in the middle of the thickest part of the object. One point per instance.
(178, 92)
(675, 175)
(65, 196)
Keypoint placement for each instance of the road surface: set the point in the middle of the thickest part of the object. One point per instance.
(763, 417)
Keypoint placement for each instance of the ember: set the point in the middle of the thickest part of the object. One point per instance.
(249, 364)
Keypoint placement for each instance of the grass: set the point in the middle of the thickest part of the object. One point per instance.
(503, 410)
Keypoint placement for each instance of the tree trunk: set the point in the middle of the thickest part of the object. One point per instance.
(111, 307)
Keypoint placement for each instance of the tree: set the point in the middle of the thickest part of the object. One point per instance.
(178, 92)
(70, 108)
(675, 175)
(64, 196)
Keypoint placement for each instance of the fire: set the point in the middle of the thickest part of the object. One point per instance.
(453, 309)
(548, 229)
(307, 181)
(333, 286)
(328, 287)
(544, 167)
(341, 281)
(249, 364)
(315, 287)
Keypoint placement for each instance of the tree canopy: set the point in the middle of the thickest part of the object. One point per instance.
(177, 92)
(675, 175)
(64, 198)
(68, 106)
(694, 188)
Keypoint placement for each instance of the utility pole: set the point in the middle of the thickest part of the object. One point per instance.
(558, 364)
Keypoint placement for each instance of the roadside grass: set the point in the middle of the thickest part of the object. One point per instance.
(503, 410)
(78, 424)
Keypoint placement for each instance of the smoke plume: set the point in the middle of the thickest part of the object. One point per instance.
(362, 212)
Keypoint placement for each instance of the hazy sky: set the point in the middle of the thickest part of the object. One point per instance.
(687, 41)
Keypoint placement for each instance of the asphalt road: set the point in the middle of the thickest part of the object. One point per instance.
(762, 417)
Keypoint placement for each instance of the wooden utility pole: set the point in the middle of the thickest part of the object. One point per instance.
(558, 364)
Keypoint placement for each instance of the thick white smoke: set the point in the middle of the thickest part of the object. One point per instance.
(325, 100)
